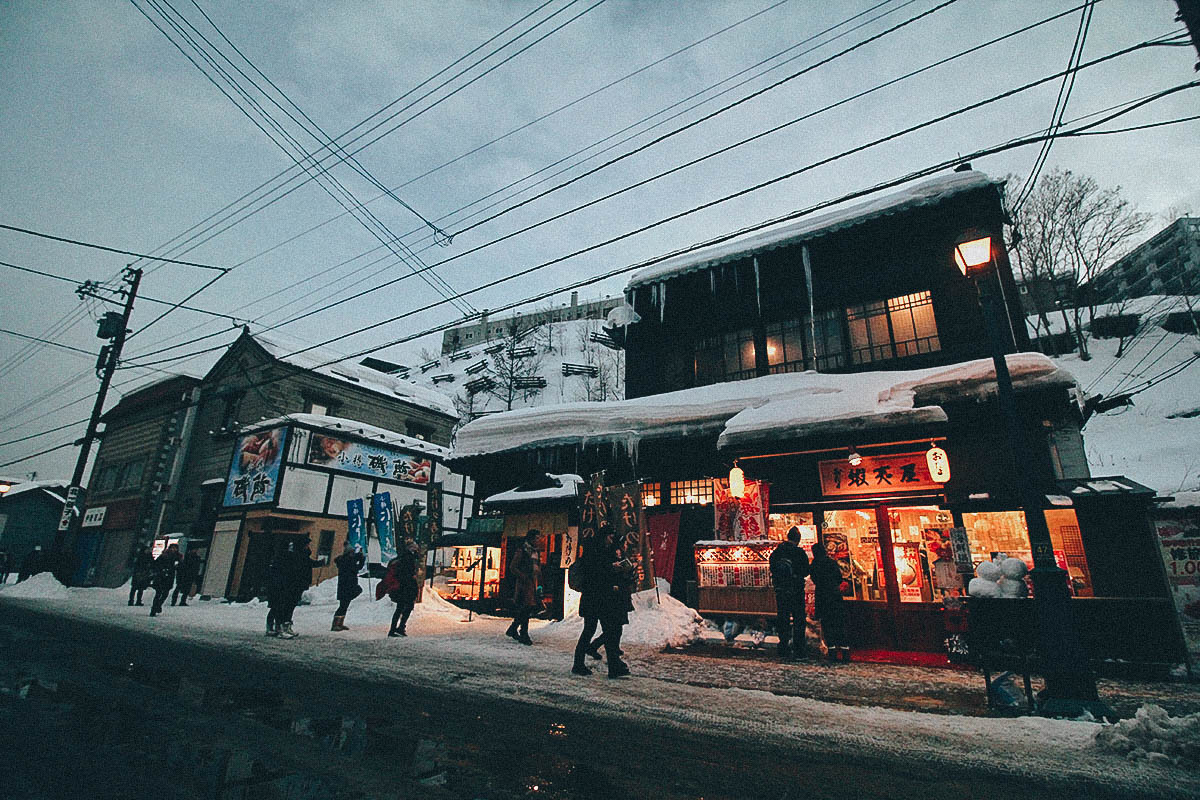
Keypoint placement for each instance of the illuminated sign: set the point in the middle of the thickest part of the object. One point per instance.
(898, 472)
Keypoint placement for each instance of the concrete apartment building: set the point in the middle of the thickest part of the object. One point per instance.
(489, 327)
(1167, 263)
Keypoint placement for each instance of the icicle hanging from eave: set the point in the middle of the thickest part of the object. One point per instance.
(712, 281)
(662, 302)
(757, 288)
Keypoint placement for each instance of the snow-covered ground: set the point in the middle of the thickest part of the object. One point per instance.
(446, 651)
(1152, 442)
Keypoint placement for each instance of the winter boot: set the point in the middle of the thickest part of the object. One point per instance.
(523, 638)
(512, 631)
(844, 652)
(337, 624)
(286, 631)
(617, 669)
(580, 668)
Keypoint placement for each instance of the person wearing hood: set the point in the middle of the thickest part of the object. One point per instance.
(830, 607)
(789, 568)
(349, 564)
(526, 569)
(400, 585)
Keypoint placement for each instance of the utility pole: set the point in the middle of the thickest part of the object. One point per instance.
(1189, 15)
(114, 326)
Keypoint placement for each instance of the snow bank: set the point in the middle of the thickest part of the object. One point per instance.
(1155, 736)
(656, 621)
(41, 586)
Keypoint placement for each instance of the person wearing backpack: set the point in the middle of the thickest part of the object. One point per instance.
(789, 568)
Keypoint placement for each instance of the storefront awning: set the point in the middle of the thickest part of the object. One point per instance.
(1092, 488)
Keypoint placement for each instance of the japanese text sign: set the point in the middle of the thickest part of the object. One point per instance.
(364, 458)
(254, 473)
(899, 472)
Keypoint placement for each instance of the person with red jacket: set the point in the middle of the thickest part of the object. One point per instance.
(400, 585)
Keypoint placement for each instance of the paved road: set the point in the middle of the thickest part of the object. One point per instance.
(113, 713)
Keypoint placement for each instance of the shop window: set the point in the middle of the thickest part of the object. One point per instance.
(785, 347)
(691, 492)
(651, 495)
(925, 568)
(779, 524)
(1003, 533)
(896, 328)
(852, 540)
(325, 546)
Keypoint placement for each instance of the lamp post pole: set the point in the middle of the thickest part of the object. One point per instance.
(1070, 685)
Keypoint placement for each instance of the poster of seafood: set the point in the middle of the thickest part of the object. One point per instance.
(1180, 543)
(369, 459)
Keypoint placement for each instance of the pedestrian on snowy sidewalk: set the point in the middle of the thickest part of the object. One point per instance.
(590, 580)
(5, 565)
(789, 567)
(349, 564)
(830, 609)
(185, 577)
(164, 577)
(277, 591)
(143, 573)
(526, 569)
(400, 585)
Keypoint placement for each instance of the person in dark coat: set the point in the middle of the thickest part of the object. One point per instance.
(296, 569)
(32, 564)
(185, 577)
(277, 591)
(789, 568)
(605, 598)
(830, 608)
(526, 570)
(143, 573)
(400, 585)
(164, 577)
(349, 564)
(5, 565)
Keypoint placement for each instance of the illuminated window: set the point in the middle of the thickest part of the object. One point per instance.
(691, 492)
(896, 328)
(651, 495)
(785, 346)
(728, 357)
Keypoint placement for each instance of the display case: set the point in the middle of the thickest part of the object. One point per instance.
(471, 567)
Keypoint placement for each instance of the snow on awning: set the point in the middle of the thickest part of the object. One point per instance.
(742, 413)
(326, 423)
(924, 193)
(555, 487)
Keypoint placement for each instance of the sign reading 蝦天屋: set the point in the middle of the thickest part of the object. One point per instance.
(363, 458)
(903, 472)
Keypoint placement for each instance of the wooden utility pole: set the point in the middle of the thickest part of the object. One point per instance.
(114, 326)
(1189, 15)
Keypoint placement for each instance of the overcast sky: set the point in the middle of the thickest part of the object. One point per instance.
(112, 136)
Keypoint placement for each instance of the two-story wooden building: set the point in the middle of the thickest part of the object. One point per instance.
(826, 357)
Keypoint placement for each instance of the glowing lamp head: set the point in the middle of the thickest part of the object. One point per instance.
(4, 487)
(737, 482)
(854, 459)
(973, 254)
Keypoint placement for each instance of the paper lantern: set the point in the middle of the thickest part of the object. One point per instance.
(737, 482)
(938, 463)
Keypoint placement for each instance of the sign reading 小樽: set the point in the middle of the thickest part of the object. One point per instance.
(364, 458)
(903, 472)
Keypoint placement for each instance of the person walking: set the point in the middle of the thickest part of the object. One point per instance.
(143, 573)
(5, 565)
(32, 564)
(185, 577)
(164, 577)
(789, 567)
(400, 585)
(830, 608)
(591, 583)
(349, 564)
(526, 570)
(297, 569)
(277, 589)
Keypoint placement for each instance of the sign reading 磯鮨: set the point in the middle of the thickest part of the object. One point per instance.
(898, 472)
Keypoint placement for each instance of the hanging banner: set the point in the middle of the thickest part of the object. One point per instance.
(740, 519)
(381, 510)
(902, 472)
(624, 511)
(356, 524)
(1180, 543)
(362, 458)
(435, 513)
(570, 547)
(593, 512)
(254, 473)
(663, 530)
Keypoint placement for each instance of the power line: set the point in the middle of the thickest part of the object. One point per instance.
(45, 432)
(108, 249)
(46, 341)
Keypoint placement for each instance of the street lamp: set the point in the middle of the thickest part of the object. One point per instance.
(1070, 685)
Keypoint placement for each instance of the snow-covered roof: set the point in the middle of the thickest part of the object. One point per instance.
(319, 360)
(47, 486)
(741, 412)
(354, 428)
(565, 486)
(927, 192)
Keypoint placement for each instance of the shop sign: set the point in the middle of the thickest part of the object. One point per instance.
(362, 458)
(961, 546)
(70, 508)
(435, 512)
(356, 532)
(254, 473)
(907, 556)
(570, 547)
(593, 512)
(381, 511)
(903, 472)
(1180, 543)
(94, 517)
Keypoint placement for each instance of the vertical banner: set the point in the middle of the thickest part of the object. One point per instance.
(356, 524)
(663, 532)
(589, 519)
(409, 520)
(435, 513)
(570, 547)
(624, 507)
(381, 510)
